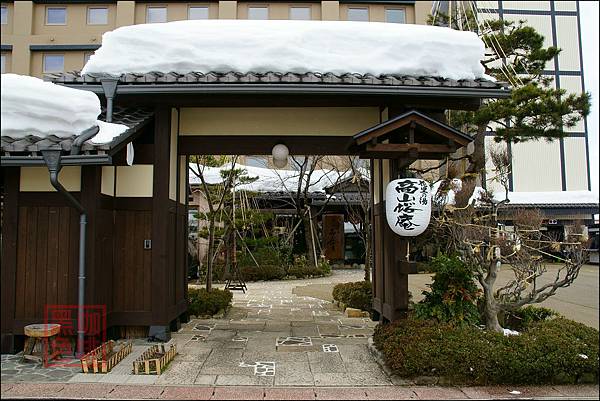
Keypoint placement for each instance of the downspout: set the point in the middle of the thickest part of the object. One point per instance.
(52, 160)
(85, 135)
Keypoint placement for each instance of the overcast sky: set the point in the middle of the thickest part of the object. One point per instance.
(589, 34)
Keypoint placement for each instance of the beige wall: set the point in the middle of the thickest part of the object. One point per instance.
(107, 186)
(37, 179)
(278, 10)
(134, 181)
(536, 166)
(377, 11)
(32, 29)
(277, 121)
(575, 164)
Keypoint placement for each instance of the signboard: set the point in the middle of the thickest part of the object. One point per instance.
(408, 206)
(333, 236)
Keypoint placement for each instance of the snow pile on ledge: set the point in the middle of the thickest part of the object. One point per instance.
(289, 46)
(551, 198)
(30, 106)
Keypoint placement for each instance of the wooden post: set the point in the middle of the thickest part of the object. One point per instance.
(160, 214)
(11, 176)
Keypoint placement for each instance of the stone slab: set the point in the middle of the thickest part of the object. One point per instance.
(187, 393)
(248, 393)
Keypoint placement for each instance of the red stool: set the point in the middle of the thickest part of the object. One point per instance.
(44, 336)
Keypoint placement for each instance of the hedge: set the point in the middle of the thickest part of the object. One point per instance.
(203, 303)
(548, 351)
(355, 295)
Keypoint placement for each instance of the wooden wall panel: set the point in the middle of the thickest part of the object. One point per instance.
(46, 259)
(132, 263)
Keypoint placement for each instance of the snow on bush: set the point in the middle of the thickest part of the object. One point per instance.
(289, 46)
(30, 106)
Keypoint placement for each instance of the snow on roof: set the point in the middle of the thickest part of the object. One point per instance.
(30, 106)
(270, 180)
(289, 46)
(552, 198)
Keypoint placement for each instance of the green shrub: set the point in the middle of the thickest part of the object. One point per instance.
(549, 351)
(453, 294)
(522, 318)
(357, 295)
(202, 302)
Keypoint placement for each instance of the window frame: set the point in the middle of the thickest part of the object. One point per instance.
(258, 7)
(5, 21)
(207, 7)
(309, 8)
(358, 8)
(87, 19)
(166, 8)
(52, 54)
(48, 8)
(403, 9)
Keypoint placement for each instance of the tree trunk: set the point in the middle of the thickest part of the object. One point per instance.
(478, 157)
(490, 307)
(209, 252)
(310, 249)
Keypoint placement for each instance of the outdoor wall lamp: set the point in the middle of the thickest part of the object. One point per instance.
(280, 154)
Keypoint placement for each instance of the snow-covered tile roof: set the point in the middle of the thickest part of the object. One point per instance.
(338, 47)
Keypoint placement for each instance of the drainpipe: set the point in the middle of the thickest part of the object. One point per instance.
(52, 159)
(109, 86)
(85, 135)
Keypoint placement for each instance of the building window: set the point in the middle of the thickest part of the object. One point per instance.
(300, 13)
(358, 14)
(195, 12)
(156, 14)
(258, 13)
(56, 16)
(97, 16)
(3, 15)
(395, 15)
(3, 63)
(54, 62)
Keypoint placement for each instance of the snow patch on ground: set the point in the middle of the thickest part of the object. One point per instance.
(30, 106)
(509, 332)
(289, 46)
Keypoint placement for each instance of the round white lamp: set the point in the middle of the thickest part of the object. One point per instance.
(280, 155)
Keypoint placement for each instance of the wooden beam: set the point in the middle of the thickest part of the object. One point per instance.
(407, 147)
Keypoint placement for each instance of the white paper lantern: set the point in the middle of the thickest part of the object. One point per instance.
(408, 206)
(280, 154)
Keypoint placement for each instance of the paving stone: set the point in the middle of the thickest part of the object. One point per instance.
(334, 379)
(143, 379)
(390, 393)
(180, 373)
(206, 380)
(494, 392)
(289, 394)
(136, 392)
(438, 393)
(5, 387)
(585, 390)
(87, 390)
(187, 393)
(294, 374)
(114, 379)
(356, 353)
(371, 378)
(85, 378)
(340, 394)
(243, 380)
(321, 362)
(223, 393)
(34, 390)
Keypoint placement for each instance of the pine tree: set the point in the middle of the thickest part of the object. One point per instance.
(536, 110)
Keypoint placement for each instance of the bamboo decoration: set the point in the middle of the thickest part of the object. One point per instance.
(103, 358)
(154, 360)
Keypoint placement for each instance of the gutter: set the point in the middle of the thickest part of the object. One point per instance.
(236, 89)
(66, 160)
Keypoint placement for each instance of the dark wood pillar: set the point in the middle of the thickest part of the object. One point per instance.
(160, 215)
(10, 222)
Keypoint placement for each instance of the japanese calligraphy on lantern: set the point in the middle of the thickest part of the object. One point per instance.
(408, 206)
